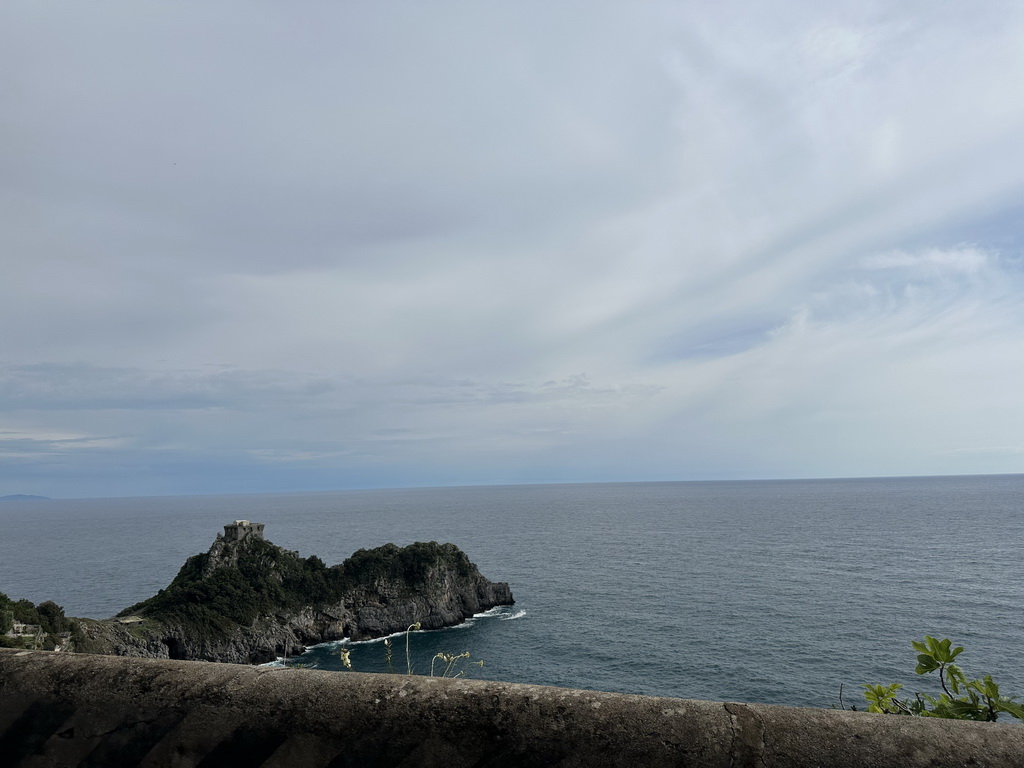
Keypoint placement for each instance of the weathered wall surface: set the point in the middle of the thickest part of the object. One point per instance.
(75, 710)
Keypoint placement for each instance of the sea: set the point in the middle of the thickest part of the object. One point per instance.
(783, 592)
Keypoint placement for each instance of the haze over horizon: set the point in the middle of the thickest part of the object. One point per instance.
(254, 248)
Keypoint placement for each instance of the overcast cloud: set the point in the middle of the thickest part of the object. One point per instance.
(254, 246)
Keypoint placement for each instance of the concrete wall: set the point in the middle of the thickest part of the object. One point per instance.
(59, 709)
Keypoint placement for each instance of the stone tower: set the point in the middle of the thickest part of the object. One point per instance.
(240, 530)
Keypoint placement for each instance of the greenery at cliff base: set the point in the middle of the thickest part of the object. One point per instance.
(48, 616)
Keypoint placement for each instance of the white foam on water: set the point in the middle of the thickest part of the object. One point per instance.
(502, 612)
(392, 636)
(495, 611)
(330, 644)
(347, 641)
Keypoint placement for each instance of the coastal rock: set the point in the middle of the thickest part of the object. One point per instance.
(249, 601)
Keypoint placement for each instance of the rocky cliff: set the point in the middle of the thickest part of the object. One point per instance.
(247, 600)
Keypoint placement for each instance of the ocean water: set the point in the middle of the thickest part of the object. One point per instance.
(767, 591)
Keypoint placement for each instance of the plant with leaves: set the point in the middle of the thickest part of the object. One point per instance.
(961, 698)
(408, 657)
(452, 664)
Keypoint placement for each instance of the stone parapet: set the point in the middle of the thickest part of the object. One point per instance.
(61, 709)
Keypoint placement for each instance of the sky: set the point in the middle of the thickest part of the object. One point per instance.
(260, 247)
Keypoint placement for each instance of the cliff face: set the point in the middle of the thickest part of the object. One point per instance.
(249, 601)
(433, 584)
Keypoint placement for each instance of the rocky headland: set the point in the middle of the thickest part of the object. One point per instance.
(249, 601)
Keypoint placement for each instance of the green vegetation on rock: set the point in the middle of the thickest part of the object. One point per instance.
(408, 565)
(208, 598)
(214, 594)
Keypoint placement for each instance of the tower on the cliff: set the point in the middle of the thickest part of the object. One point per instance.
(240, 530)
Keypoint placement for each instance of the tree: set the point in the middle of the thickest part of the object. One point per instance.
(51, 617)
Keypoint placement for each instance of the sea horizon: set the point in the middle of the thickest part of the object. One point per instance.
(809, 478)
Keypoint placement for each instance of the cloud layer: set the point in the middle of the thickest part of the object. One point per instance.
(246, 247)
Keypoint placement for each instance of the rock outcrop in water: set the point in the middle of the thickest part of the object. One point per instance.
(248, 601)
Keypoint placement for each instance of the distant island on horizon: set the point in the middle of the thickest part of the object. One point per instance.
(22, 497)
